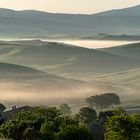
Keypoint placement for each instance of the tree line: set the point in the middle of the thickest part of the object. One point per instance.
(59, 123)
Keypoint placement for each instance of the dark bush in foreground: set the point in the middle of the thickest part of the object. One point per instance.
(123, 127)
(72, 132)
(43, 123)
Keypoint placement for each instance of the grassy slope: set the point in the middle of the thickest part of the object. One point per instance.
(17, 73)
(38, 24)
(106, 70)
(60, 58)
(130, 50)
(128, 79)
(20, 85)
(12, 68)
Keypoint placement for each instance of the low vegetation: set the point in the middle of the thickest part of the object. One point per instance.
(52, 123)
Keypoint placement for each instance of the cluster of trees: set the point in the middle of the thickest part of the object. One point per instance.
(122, 127)
(51, 123)
(44, 123)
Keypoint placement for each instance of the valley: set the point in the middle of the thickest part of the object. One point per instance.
(40, 68)
(69, 70)
(48, 57)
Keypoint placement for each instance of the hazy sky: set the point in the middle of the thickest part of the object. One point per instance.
(68, 6)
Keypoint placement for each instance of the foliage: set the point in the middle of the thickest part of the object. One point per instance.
(30, 134)
(123, 127)
(2, 107)
(49, 123)
(103, 101)
(28, 121)
(72, 132)
(51, 128)
(65, 108)
(42, 123)
(12, 129)
(103, 116)
(87, 115)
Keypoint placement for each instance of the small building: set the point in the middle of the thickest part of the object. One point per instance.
(10, 114)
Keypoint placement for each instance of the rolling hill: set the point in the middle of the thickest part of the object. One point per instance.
(130, 51)
(122, 37)
(64, 59)
(130, 11)
(49, 68)
(17, 69)
(38, 72)
(95, 66)
(17, 73)
(20, 85)
(31, 23)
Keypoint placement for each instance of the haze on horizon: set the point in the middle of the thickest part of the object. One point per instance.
(68, 6)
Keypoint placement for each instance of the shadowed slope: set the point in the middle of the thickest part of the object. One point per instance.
(32, 23)
(61, 58)
(129, 51)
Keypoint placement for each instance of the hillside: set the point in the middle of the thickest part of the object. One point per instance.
(102, 70)
(17, 69)
(31, 23)
(130, 11)
(20, 85)
(122, 37)
(58, 58)
(17, 73)
(95, 70)
(129, 50)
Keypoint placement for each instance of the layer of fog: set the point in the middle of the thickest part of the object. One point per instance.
(41, 94)
(95, 44)
(35, 93)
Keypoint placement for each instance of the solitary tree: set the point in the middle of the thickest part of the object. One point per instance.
(111, 99)
(103, 101)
